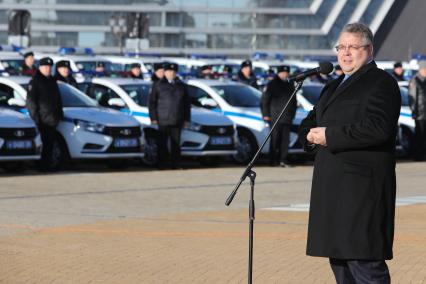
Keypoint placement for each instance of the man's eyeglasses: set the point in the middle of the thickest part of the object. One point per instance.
(349, 47)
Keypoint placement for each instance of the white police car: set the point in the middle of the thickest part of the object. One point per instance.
(241, 103)
(121, 65)
(19, 138)
(88, 131)
(209, 134)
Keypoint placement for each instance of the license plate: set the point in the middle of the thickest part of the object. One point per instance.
(19, 144)
(126, 143)
(220, 140)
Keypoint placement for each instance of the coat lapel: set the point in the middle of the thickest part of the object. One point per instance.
(345, 85)
(327, 93)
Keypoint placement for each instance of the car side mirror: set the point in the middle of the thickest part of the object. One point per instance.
(16, 102)
(208, 103)
(116, 102)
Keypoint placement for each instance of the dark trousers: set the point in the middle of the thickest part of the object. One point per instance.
(279, 143)
(166, 134)
(420, 137)
(47, 134)
(360, 271)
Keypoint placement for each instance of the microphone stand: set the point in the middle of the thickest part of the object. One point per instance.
(248, 172)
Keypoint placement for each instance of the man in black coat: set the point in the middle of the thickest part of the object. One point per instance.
(170, 109)
(352, 129)
(45, 107)
(63, 73)
(275, 97)
(245, 74)
(398, 71)
(417, 98)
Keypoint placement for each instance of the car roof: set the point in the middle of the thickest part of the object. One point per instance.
(18, 79)
(121, 81)
(214, 82)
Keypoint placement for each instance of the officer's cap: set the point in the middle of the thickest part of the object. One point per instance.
(170, 66)
(63, 63)
(135, 65)
(283, 68)
(397, 65)
(246, 63)
(158, 65)
(100, 64)
(46, 61)
(29, 53)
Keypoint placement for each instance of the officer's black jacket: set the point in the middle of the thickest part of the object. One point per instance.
(44, 100)
(169, 104)
(69, 80)
(251, 81)
(275, 97)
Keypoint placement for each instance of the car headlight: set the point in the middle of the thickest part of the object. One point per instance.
(193, 126)
(90, 126)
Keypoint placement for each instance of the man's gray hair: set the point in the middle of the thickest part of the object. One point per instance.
(361, 29)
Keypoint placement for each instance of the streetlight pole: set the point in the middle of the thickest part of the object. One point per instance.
(118, 27)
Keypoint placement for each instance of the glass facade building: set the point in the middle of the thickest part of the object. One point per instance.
(230, 27)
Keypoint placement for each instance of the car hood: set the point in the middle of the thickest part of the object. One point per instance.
(208, 117)
(10, 118)
(100, 115)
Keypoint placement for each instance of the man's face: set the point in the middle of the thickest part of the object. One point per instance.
(398, 70)
(170, 74)
(45, 70)
(29, 61)
(246, 71)
(64, 71)
(353, 53)
(283, 75)
(136, 71)
(422, 72)
(159, 73)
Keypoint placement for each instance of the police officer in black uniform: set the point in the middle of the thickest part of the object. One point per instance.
(170, 109)
(63, 73)
(135, 71)
(28, 68)
(245, 74)
(45, 107)
(398, 71)
(158, 72)
(275, 97)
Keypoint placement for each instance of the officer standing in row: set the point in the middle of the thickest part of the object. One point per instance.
(275, 97)
(63, 73)
(135, 71)
(158, 72)
(28, 68)
(245, 74)
(45, 107)
(170, 109)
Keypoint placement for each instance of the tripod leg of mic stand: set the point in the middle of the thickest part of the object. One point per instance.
(252, 176)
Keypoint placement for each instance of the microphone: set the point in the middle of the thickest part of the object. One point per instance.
(324, 67)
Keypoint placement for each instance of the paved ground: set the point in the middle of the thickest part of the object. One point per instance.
(144, 226)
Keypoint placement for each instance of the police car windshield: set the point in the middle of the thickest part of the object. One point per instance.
(91, 65)
(71, 97)
(239, 95)
(138, 92)
(12, 66)
(312, 92)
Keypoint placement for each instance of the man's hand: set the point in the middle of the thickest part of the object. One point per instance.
(266, 118)
(154, 122)
(317, 136)
(186, 124)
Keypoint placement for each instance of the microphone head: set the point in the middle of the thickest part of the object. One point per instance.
(325, 67)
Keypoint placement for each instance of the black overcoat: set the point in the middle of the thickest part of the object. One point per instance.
(352, 206)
